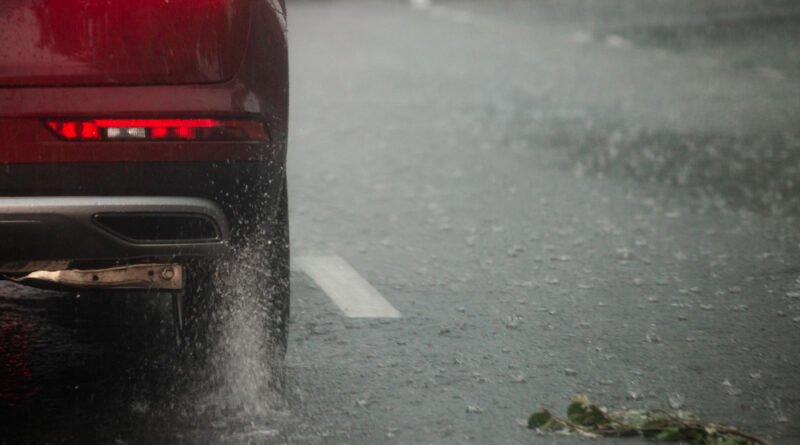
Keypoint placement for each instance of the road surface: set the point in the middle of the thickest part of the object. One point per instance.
(490, 212)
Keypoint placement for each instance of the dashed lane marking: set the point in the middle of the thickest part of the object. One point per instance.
(349, 290)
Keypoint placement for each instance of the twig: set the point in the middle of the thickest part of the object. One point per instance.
(735, 432)
(721, 429)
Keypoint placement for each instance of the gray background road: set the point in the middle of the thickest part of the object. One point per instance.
(557, 202)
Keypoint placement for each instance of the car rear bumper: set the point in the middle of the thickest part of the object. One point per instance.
(64, 199)
(107, 228)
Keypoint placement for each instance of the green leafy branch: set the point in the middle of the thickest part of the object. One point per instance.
(587, 419)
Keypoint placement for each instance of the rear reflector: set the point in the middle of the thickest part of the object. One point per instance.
(159, 129)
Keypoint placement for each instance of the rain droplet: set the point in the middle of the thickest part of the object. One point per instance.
(730, 389)
(624, 253)
(518, 377)
(675, 401)
(513, 321)
(515, 250)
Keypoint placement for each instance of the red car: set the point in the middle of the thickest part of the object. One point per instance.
(143, 144)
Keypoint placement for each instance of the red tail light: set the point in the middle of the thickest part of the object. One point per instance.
(159, 129)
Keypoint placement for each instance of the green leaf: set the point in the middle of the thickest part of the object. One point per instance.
(538, 419)
(576, 411)
(585, 413)
(635, 418)
(696, 436)
(553, 425)
(731, 439)
(672, 433)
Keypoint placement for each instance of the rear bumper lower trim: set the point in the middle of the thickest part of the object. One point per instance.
(35, 229)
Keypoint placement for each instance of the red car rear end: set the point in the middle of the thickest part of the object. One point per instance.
(139, 139)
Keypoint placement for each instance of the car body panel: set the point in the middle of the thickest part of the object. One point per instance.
(96, 42)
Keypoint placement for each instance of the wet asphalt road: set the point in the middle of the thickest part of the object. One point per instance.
(553, 207)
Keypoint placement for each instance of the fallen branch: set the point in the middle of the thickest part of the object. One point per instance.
(588, 419)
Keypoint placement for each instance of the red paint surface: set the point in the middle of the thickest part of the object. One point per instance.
(97, 42)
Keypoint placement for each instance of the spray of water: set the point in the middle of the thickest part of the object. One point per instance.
(242, 365)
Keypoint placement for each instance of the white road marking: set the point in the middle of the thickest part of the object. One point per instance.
(351, 292)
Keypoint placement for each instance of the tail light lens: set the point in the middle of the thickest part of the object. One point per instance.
(159, 129)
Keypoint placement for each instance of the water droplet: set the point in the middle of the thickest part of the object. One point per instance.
(624, 253)
(652, 336)
(515, 250)
(730, 389)
(518, 377)
(513, 321)
(675, 401)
